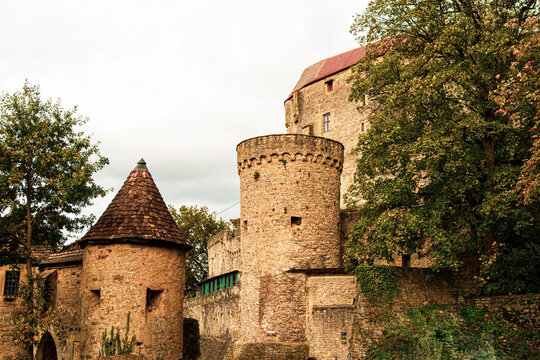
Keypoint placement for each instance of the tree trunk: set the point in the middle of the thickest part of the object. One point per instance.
(489, 157)
(29, 275)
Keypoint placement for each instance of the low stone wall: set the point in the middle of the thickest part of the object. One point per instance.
(216, 349)
(518, 309)
(218, 313)
(417, 287)
(330, 315)
(331, 329)
(274, 351)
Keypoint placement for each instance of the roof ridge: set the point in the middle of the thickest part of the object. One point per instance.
(327, 67)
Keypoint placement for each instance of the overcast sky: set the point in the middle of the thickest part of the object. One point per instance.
(179, 83)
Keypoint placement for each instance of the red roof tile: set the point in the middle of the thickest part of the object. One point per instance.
(65, 256)
(327, 67)
(137, 213)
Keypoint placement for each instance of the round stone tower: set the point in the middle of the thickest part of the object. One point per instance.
(134, 263)
(289, 189)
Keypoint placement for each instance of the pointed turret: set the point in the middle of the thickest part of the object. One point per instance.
(136, 214)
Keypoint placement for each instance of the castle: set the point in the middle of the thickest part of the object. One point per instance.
(132, 261)
(277, 288)
(294, 299)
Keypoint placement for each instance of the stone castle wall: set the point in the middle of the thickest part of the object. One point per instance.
(330, 313)
(304, 113)
(218, 313)
(66, 301)
(289, 187)
(223, 253)
(7, 308)
(146, 281)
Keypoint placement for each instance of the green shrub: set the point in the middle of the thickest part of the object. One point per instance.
(440, 332)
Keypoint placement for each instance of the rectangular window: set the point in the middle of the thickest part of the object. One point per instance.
(329, 85)
(11, 285)
(363, 128)
(326, 122)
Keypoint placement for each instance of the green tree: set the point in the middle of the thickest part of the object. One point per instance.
(197, 225)
(437, 168)
(46, 169)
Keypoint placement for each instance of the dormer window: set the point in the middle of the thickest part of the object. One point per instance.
(329, 85)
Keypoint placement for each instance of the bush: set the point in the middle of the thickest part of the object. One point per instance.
(454, 332)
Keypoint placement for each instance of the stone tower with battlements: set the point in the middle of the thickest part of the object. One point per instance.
(134, 262)
(289, 188)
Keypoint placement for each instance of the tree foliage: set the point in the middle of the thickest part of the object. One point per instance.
(439, 166)
(46, 169)
(197, 225)
(32, 316)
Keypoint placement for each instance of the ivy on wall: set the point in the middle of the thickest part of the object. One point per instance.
(454, 332)
(379, 283)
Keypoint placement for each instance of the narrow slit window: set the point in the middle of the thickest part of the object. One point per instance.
(362, 127)
(326, 122)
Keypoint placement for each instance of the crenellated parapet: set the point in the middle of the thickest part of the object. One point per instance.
(223, 253)
(280, 149)
(289, 220)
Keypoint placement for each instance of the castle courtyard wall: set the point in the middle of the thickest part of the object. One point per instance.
(330, 315)
(218, 313)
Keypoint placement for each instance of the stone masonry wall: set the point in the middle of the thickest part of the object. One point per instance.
(67, 307)
(218, 313)
(331, 304)
(7, 307)
(146, 281)
(304, 113)
(518, 309)
(223, 253)
(289, 187)
(418, 287)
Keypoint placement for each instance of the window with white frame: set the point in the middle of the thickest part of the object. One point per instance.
(326, 122)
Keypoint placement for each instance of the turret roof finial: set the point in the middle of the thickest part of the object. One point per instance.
(141, 165)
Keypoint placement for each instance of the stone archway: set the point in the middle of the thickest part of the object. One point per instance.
(47, 348)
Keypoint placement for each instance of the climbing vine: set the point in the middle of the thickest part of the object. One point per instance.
(379, 283)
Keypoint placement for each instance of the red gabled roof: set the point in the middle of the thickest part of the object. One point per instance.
(327, 67)
(137, 213)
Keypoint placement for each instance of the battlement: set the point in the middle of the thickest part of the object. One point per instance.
(223, 253)
(289, 147)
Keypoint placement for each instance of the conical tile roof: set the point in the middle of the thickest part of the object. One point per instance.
(137, 213)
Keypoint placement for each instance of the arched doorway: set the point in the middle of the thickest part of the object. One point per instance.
(47, 348)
